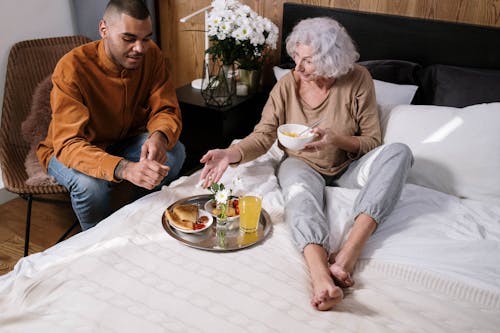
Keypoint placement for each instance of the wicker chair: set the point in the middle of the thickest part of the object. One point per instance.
(29, 63)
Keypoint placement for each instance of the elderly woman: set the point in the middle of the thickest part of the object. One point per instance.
(325, 83)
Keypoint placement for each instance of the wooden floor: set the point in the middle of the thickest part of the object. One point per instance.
(49, 221)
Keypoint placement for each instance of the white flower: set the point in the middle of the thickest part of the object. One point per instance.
(229, 16)
(229, 19)
(222, 196)
(222, 4)
(237, 185)
(237, 181)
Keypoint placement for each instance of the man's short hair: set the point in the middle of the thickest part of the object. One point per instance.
(134, 8)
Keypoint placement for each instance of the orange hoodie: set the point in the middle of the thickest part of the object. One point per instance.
(95, 103)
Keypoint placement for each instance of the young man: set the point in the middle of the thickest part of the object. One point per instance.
(115, 116)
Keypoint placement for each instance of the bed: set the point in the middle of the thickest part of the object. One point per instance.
(433, 266)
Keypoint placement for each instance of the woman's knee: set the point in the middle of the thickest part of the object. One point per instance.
(299, 182)
(401, 151)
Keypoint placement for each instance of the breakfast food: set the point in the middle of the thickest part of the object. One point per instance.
(232, 208)
(230, 211)
(187, 212)
(183, 216)
(291, 134)
(203, 219)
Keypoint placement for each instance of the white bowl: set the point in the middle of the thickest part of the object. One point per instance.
(291, 142)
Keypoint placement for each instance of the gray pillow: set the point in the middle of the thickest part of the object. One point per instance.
(394, 71)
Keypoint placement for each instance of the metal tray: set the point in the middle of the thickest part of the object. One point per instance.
(216, 238)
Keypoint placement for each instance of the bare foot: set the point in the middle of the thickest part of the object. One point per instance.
(341, 276)
(326, 294)
(342, 263)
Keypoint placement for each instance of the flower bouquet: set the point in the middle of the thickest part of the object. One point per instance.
(221, 197)
(239, 35)
(222, 204)
(240, 38)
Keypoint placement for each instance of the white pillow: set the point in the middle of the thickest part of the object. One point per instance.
(393, 94)
(280, 72)
(456, 150)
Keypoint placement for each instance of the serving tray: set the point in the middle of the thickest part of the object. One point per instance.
(217, 238)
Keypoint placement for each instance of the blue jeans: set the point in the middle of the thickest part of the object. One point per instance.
(94, 199)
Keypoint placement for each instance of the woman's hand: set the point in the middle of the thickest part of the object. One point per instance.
(323, 139)
(216, 162)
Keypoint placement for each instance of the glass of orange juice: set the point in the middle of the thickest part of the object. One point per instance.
(247, 238)
(250, 207)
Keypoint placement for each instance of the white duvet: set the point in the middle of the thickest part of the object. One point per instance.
(433, 266)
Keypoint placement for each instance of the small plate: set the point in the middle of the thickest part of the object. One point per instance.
(201, 213)
(209, 206)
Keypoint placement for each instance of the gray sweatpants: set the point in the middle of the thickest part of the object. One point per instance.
(380, 174)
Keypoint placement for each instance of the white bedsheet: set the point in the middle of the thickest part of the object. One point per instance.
(434, 266)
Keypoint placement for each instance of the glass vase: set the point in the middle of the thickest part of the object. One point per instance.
(220, 232)
(221, 221)
(218, 85)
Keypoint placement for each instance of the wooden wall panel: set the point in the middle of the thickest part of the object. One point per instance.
(183, 43)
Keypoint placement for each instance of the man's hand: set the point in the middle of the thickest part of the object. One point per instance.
(155, 148)
(145, 173)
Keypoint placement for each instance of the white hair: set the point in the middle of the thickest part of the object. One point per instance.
(334, 52)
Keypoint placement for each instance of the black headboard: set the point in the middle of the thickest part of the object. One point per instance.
(426, 42)
(453, 64)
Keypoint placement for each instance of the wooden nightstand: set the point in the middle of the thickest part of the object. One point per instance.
(207, 127)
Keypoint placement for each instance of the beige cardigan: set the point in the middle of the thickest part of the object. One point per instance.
(350, 108)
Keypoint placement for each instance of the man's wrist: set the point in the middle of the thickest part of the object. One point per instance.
(161, 134)
(118, 173)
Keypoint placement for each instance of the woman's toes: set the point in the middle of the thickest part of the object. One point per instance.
(340, 276)
(331, 300)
